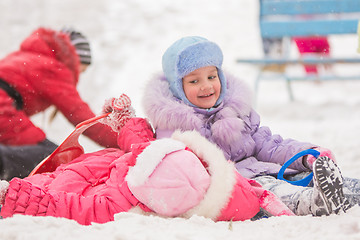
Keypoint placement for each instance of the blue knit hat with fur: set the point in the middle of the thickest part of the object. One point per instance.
(186, 55)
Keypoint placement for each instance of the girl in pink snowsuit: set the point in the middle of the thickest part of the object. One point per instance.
(180, 176)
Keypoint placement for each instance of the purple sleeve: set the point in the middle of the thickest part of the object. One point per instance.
(273, 148)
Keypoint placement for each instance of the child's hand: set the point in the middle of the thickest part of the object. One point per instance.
(323, 152)
(121, 112)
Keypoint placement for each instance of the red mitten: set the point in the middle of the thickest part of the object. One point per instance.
(121, 112)
(323, 152)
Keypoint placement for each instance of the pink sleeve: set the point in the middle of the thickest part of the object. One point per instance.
(25, 198)
(136, 130)
(28, 199)
(243, 203)
(82, 190)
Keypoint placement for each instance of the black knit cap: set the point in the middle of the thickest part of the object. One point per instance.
(80, 43)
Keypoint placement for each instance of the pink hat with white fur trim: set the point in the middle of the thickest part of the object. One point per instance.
(172, 181)
(167, 178)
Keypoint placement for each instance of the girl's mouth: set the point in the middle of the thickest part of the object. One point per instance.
(206, 96)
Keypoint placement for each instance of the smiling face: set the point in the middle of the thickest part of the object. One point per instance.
(202, 87)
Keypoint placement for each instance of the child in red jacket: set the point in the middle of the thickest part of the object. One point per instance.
(44, 72)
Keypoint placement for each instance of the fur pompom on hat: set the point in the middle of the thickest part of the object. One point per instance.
(80, 43)
(186, 55)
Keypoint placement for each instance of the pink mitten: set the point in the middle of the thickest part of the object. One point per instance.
(117, 104)
(121, 112)
(269, 201)
(4, 185)
(323, 152)
(273, 205)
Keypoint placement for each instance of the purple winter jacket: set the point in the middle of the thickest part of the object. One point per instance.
(234, 126)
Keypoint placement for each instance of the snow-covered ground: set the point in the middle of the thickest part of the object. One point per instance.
(128, 38)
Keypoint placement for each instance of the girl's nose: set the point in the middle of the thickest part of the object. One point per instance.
(205, 86)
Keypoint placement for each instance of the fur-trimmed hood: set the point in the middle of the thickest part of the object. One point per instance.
(168, 112)
(233, 126)
(186, 55)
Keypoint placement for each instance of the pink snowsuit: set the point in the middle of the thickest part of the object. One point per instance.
(178, 176)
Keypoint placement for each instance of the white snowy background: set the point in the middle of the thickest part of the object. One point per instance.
(128, 38)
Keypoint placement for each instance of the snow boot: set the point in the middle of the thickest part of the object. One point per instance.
(328, 188)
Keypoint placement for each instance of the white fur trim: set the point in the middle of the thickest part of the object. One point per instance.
(4, 186)
(221, 171)
(147, 161)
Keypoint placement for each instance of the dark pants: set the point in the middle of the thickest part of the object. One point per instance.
(19, 161)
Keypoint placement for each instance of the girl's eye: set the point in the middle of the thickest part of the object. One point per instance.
(212, 77)
(193, 81)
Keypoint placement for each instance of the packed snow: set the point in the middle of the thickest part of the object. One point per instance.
(128, 38)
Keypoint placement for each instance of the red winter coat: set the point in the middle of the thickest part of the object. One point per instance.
(96, 186)
(45, 72)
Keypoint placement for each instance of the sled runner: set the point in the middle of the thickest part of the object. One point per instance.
(68, 150)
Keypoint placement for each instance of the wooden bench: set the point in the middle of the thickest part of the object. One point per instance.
(285, 19)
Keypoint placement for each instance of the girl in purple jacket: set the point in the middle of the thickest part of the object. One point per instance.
(196, 95)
